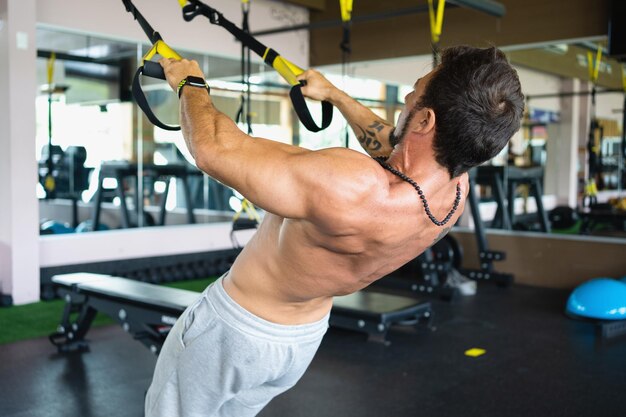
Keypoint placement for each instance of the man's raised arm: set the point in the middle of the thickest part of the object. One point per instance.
(286, 180)
(373, 132)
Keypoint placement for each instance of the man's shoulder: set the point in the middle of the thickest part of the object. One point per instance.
(344, 153)
(351, 184)
(349, 162)
(353, 175)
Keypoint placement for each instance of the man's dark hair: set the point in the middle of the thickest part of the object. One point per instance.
(478, 103)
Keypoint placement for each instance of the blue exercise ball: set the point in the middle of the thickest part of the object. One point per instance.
(51, 227)
(600, 298)
(87, 226)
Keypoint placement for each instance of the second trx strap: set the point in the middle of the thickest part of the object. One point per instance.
(346, 19)
(346, 46)
(244, 114)
(49, 183)
(287, 70)
(624, 113)
(594, 142)
(150, 68)
(436, 26)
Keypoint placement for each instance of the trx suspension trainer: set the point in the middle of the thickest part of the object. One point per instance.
(436, 26)
(286, 69)
(594, 142)
(150, 68)
(346, 46)
(244, 114)
(192, 9)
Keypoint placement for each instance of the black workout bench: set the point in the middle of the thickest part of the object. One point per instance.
(146, 311)
(374, 313)
(149, 311)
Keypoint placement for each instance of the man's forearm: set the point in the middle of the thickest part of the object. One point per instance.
(206, 130)
(372, 131)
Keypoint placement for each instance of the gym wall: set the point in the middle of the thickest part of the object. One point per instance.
(526, 22)
(553, 261)
(198, 36)
(19, 237)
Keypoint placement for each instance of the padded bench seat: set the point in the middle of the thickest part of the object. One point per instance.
(374, 313)
(129, 290)
(148, 311)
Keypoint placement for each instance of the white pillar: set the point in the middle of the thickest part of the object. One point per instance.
(19, 234)
(561, 177)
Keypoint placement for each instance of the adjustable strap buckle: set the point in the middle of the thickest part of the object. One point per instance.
(193, 9)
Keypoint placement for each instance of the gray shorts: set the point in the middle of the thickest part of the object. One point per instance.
(221, 360)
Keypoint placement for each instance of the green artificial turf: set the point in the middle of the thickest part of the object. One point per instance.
(35, 320)
(573, 230)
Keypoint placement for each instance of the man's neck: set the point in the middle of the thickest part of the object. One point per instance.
(417, 161)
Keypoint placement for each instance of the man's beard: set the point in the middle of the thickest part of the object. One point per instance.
(396, 136)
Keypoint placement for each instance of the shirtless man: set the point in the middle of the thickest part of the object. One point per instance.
(336, 221)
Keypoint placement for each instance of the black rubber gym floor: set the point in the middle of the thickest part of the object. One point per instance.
(538, 363)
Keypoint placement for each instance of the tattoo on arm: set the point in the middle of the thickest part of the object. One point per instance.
(368, 136)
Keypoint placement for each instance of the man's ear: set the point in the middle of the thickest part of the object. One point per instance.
(425, 121)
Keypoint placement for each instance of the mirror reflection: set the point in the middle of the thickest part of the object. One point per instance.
(103, 165)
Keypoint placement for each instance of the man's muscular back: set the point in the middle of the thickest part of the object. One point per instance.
(291, 268)
(337, 220)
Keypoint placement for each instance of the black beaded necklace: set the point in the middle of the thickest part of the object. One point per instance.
(381, 160)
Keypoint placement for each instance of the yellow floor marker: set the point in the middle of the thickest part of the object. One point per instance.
(475, 352)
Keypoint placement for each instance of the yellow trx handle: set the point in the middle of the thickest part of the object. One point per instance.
(590, 188)
(594, 65)
(182, 3)
(346, 10)
(50, 66)
(436, 21)
(287, 69)
(49, 184)
(163, 49)
(250, 210)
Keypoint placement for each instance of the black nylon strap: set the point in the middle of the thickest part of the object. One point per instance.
(196, 8)
(152, 34)
(270, 56)
(248, 40)
(142, 102)
(152, 69)
(299, 105)
(624, 126)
